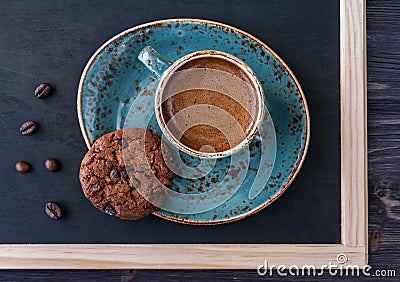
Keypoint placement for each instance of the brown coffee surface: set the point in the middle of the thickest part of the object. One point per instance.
(200, 117)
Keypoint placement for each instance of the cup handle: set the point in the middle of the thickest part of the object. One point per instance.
(153, 61)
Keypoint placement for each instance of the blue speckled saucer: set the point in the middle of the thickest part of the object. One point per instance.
(113, 79)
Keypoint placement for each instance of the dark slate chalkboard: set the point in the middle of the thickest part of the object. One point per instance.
(52, 41)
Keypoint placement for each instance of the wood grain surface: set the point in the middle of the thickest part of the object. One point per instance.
(383, 45)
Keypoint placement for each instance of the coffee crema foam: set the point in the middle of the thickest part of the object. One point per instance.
(209, 104)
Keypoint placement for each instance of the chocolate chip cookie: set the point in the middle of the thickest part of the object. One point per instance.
(125, 173)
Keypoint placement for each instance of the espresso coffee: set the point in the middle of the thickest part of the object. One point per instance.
(209, 104)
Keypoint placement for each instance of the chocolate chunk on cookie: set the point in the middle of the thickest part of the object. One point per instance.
(125, 174)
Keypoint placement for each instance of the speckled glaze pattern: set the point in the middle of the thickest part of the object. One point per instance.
(113, 78)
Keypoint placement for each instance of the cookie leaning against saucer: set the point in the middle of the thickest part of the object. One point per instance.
(121, 167)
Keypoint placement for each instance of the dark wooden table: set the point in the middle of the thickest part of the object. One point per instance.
(383, 45)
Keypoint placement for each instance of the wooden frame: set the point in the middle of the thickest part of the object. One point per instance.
(249, 256)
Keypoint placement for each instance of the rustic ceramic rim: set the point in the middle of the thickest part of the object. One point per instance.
(199, 54)
(235, 30)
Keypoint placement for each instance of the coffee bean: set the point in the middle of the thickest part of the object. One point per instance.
(53, 210)
(52, 165)
(114, 175)
(28, 127)
(43, 90)
(22, 167)
(110, 210)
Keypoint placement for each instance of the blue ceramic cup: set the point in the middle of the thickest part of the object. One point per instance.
(164, 70)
